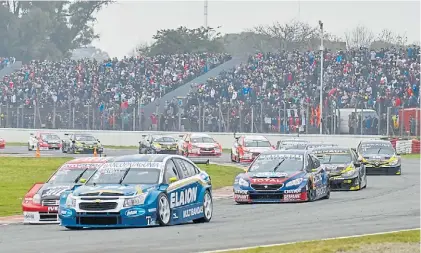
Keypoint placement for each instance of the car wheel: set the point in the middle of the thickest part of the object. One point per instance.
(365, 182)
(311, 194)
(207, 208)
(164, 210)
(29, 147)
(232, 157)
(237, 158)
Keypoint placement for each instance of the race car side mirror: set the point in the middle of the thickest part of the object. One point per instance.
(97, 140)
(314, 170)
(73, 141)
(173, 180)
(82, 180)
(357, 164)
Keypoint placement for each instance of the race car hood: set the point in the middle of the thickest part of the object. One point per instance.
(271, 177)
(334, 168)
(376, 157)
(53, 191)
(258, 149)
(52, 141)
(112, 190)
(88, 142)
(166, 143)
(205, 145)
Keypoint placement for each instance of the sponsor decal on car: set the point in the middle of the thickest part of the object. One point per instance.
(321, 191)
(53, 209)
(317, 178)
(192, 211)
(294, 196)
(292, 191)
(183, 197)
(66, 213)
(150, 221)
(241, 191)
(241, 197)
(267, 180)
(135, 212)
(30, 216)
(152, 210)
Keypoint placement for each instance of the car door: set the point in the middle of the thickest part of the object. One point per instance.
(316, 172)
(361, 169)
(188, 185)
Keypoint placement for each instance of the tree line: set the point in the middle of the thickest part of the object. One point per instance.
(54, 29)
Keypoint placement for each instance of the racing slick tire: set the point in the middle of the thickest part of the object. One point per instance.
(232, 157)
(29, 147)
(207, 208)
(164, 212)
(311, 194)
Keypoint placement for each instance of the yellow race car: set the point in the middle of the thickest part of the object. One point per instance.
(379, 157)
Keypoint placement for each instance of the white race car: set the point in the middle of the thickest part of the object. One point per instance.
(247, 147)
(44, 140)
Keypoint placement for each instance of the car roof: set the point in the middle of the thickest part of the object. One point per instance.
(199, 135)
(321, 149)
(375, 141)
(294, 140)
(290, 151)
(90, 160)
(254, 137)
(162, 135)
(142, 158)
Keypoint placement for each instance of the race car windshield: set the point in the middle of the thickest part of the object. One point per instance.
(375, 150)
(334, 158)
(294, 146)
(202, 140)
(70, 176)
(165, 139)
(319, 146)
(256, 143)
(125, 176)
(85, 138)
(267, 163)
(49, 137)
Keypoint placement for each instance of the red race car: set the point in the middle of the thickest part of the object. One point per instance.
(40, 204)
(2, 143)
(199, 145)
(44, 140)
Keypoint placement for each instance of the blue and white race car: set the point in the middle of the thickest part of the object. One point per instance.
(282, 176)
(139, 191)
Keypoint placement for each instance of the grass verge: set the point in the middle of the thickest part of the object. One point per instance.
(339, 245)
(412, 156)
(18, 174)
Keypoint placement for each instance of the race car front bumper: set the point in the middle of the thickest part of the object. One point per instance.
(50, 146)
(86, 150)
(245, 196)
(38, 214)
(207, 154)
(129, 217)
(344, 184)
(383, 170)
(167, 151)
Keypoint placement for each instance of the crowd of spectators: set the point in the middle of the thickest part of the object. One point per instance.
(270, 82)
(74, 90)
(6, 61)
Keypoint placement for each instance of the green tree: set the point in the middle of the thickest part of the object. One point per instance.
(185, 40)
(46, 29)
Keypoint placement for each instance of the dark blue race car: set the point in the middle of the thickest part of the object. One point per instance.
(282, 176)
(139, 191)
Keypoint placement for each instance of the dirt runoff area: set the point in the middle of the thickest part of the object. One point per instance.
(387, 248)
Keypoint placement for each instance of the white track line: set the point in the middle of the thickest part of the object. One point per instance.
(326, 239)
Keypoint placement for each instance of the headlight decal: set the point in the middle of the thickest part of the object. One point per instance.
(137, 200)
(243, 182)
(294, 182)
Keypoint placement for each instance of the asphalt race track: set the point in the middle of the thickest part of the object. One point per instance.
(388, 203)
(22, 151)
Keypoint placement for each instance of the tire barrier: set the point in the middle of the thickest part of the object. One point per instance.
(407, 146)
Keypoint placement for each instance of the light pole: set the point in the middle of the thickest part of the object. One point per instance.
(321, 76)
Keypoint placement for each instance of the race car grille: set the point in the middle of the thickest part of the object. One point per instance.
(47, 217)
(107, 220)
(102, 206)
(50, 202)
(259, 187)
(277, 196)
(98, 198)
(102, 194)
(206, 149)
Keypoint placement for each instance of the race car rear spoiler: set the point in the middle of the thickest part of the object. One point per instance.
(200, 161)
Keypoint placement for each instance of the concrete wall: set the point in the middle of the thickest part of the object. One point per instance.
(131, 138)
